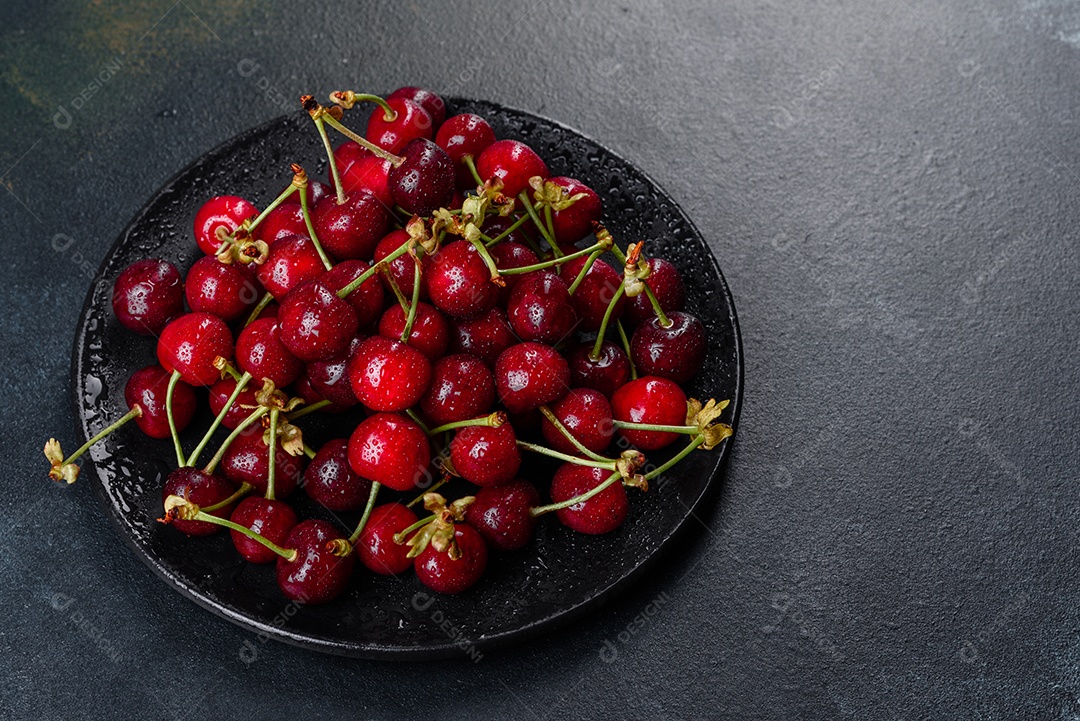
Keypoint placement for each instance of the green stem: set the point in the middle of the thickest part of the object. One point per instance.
(584, 270)
(656, 428)
(410, 319)
(319, 405)
(434, 487)
(240, 428)
(664, 320)
(493, 269)
(598, 248)
(240, 385)
(311, 231)
(569, 436)
(288, 554)
(419, 524)
(595, 355)
(244, 489)
(416, 419)
(360, 279)
(389, 114)
(401, 299)
(626, 348)
(265, 301)
(472, 169)
(524, 197)
(549, 221)
(494, 420)
(309, 451)
(338, 188)
(606, 463)
(180, 462)
(541, 510)
(135, 412)
(375, 486)
(272, 458)
(681, 455)
(333, 123)
(277, 201)
(506, 233)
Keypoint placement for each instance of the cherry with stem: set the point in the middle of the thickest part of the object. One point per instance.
(64, 469)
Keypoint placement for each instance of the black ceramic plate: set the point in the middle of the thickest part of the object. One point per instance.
(556, 578)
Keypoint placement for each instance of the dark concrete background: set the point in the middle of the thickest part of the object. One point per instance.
(890, 188)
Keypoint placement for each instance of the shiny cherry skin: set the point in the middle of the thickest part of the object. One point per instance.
(273, 520)
(367, 173)
(392, 450)
(387, 375)
(594, 293)
(247, 460)
(426, 99)
(540, 309)
(464, 135)
(609, 372)
(513, 162)
(190, 344)
(316, 575)
(330, 378)
(376, 546)
(260, 352)
(285, 220)
(430, 333)
(219, 288)
(459, 282)
(367, 300)
(147, 295)
(653, 400)
(202, 489)
(666, 283)
(241, 408)
(602, 513)
(331, 482)
(425, 181)
(292, 260)
(500, 514)
(586, 414)
(485, 336)
(509, 254)
(574, 223)
(353, 228)
(411, 122)
(315, 323)
(677, 351)
(462, 387)
(443, 574)
(486, 456)
(529, 375)
(303, 389)
(221, 211)
(402, 268)
(149, 387)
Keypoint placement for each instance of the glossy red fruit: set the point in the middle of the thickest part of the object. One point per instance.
(508, 254)
(411, 122)
(574, 223)
(352, 229)
(221, 289)
(462, 135)
(247, 460)
(316, 575)
(241, 408)
(315, 323)
(303, 389)
(392, 450)
(462, 387)
(148, 387)
(609, 372)
(529, 375)
(203, 490)
(443, 574)
(666, 283)
(430, 332)
(293, 260)
(331, 482)
(540, 309)
(602, 513)
(677, 351)
(425, 181)
(594, 293)
(190, 344)
(484, 455)
(501, 514)
(367, 173)
(485, 336)
(330, 378)
(376, 546)
(273, 520)
(403, 267)
(387, 375)
(367, 300)
(513, 162)
(147, 295)
(285, 220)
(426, 99)
(459, 282)
(221, 211)
(653, 400)
(586, 414)
(260, 352)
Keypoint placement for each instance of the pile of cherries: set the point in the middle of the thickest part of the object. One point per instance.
(446, 284)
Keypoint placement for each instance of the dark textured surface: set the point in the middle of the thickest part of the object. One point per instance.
(522, 595)
(890, 188)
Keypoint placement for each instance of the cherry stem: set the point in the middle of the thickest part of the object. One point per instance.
(416, 419)
(333, 122)
(272, 458)
(311, 230)
(319, 405)
(434, 487)
(597, 248)
(678, 457)
(309, 451)
(240, 385)
(664, 320)
(173, 380)
(607, 463)
(389, 114)
(135, 412)
(262, 216)
(289, 554)
(595, 355)
(375, 486)
(472, 169)
(506, 233)
(617, 252)
(688, 430)
(549, 221)
(259, 308)
(410, 319)
(570, 436)
(401, 299)
(240, 428)
(488, 260)
(492, 420)
(360, 279)
(244, 489)
(626, 348)
(524, 197)
(399, 537)
(585, 270)
(338, 189)
(541, 510)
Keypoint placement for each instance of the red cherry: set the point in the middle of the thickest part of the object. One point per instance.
(247, 460)
(315, 323)
(203, 490)
(260, 352)
(657, 401)
(241, 408)
(426, 99)
(509, 254)
(462, 135)
(273, 520)
(330, 378)
(285, 220)
(485, 336)
(352, 229)
(412, 122)
(586, 414)
(316, 575)
(484, 455)
(677, 351)
(501, 514)
(221, 289)
(190, 344)
(443, 574)
(540, 309)
(529, 375)
(513, 162)
(367, 300)
(148, 387)
(666, 283)
(459, 282)
(575, 222)
(303, 389)
(602, 513)
(607, 374)
(221, 211)
(594, 292)
(370, 173)
(430, 332)
(147, 295)
(331, 482)
(403, 267)
(293, 260)
(376, 546)
(391, 450)
(387, 375)
(461, 387)
(424, 182)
